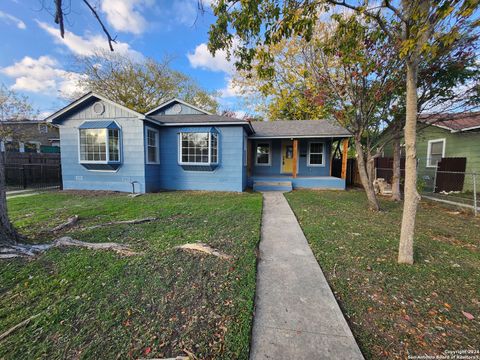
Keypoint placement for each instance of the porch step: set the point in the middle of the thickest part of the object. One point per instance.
(272, 186)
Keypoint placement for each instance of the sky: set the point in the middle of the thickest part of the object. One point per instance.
(36, 62)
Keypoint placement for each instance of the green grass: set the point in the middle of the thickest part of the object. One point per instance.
(394, 309)
(100, 305)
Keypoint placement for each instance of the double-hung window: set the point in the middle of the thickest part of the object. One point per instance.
(99, 145)
(152, 146)
(316, 154)
(263, 154)
(435, 152)
(198, 148)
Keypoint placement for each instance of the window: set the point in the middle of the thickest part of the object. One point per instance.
(435, 152)
(152, 146)
(199, 148)
(315, 154)
(43, 128)
(99, 145)
(262, 157)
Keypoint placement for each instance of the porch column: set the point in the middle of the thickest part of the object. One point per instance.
(344, 158)
(295, 156)
(249, 158)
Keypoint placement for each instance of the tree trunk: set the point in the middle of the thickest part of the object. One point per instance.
(396, 194)
(367, 182)
(8, 235)
(405, 250)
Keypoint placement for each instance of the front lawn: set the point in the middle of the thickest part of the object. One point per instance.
(164, 302)
(394, 309)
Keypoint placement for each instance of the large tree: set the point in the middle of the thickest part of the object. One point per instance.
(346, 72)
(139, 84)
(415, 29)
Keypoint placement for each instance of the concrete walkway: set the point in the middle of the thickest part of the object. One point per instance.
(296, 314)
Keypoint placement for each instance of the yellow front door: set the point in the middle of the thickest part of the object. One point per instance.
(287, 156)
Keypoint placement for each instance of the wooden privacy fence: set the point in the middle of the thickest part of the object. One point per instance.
(32, 158)
(448, 175)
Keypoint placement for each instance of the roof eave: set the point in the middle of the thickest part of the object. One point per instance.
(301, 136)
(180, 101)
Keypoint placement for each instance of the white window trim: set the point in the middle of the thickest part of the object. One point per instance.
(209, 162)
(157, 143)
(107, 161)
(269, 153)
(444, 141)
(323, 154)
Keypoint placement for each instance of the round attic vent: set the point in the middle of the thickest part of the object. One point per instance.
(177, 109)
(98, 108)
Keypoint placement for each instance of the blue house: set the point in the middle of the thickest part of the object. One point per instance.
(177, 146)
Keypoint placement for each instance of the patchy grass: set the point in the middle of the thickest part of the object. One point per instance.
(395, 309)
(164, 303)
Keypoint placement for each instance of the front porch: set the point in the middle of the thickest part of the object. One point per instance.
(299, 182)
(292, 163)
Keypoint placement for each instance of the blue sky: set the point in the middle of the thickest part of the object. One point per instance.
(36, 62)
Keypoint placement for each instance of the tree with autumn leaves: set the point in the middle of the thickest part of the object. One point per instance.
(416, 31)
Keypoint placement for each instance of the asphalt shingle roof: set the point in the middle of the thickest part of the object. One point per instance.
(454, 122)
(321, 128)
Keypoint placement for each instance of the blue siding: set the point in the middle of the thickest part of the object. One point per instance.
(227, 176)
(303, 168)
(152, 171)
(76, 177)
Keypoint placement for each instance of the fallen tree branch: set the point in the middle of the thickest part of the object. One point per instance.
(123, 222)
(70, 222)
(20, 250)
(118, 248)
(201, 247)
(19, 325)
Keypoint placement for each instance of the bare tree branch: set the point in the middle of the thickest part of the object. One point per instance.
(94, 12)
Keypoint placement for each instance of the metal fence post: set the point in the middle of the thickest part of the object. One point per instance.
(475, 193)
(24, 178)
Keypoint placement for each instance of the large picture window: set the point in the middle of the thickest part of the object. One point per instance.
(199, 148)
(435, 152)
(152, 146)
(262, 155)
(316, 154)
(99, 145)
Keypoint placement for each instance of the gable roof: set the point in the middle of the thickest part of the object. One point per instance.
(84, 98)
(298, 128)
(455, 122)
(165, 104)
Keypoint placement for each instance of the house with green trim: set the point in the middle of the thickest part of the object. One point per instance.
(447, 136)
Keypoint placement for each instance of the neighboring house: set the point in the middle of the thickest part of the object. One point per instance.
(177, 146)
(447, 136)
(29, 136)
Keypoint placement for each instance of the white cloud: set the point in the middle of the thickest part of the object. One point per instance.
(231, 90)
(203, 59)
(125, 15)
(88, 45)
(43, 75)
(8, 18)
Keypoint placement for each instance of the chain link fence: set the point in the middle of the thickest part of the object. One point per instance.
(447, 180)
